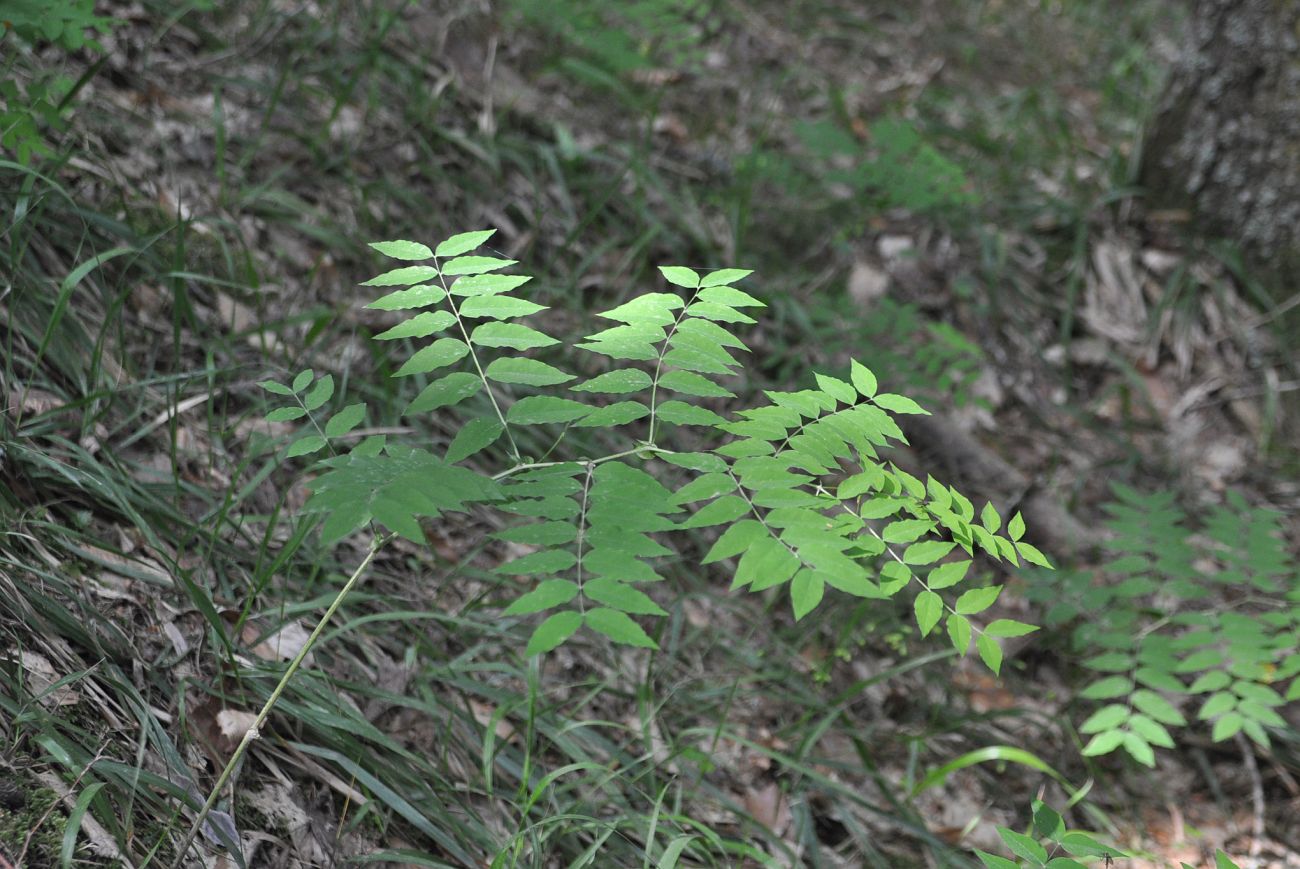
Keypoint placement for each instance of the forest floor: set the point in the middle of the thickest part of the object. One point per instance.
(944, 193)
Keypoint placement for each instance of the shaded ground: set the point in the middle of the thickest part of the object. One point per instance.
(941, 195)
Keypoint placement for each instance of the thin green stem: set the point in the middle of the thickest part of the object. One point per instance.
(254, 731)
(473, 356)
(532, 466)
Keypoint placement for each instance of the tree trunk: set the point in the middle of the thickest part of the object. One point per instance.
(1225, 145)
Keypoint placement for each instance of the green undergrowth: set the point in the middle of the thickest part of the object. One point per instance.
(1183, 622)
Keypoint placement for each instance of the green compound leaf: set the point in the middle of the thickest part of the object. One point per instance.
(419, 326)
(445, 392)
(619, 627)
(345, 420)
(543, 562)
(621, 596)
(899, 404)
(498, 307)
(463, 242)
(403, 277)
(545, 409)
(415, 297)
(928, 607)
(863, 380)
(552, 632)
(474, 265)
(725, 276)
(616, 382)
(513, 335)
(526, 372)
(397, 488)
(407, 250)
(548, 594)
(806, 591)
(681, 276)
(439, 354)
(977, 600)
(475, 436)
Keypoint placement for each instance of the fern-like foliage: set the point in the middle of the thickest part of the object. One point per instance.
(795, 489)
(1180, 620)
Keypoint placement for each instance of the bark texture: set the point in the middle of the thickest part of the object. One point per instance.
(1225, 145)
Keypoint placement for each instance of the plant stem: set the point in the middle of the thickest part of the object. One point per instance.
(254, 731)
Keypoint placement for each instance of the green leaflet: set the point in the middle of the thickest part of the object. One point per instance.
(439, 354)
(407, 250)
(419, 326)
(444, 392)
(552, 632)
(548, 595)
(498, 307)
(621, 597)
(463, 242)
(487, 285)
(514, 335)
(616, 382)
(542, 409)
(619, 627)
(415, 297)
(403, 277)
(475, 436)
(526, 372)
